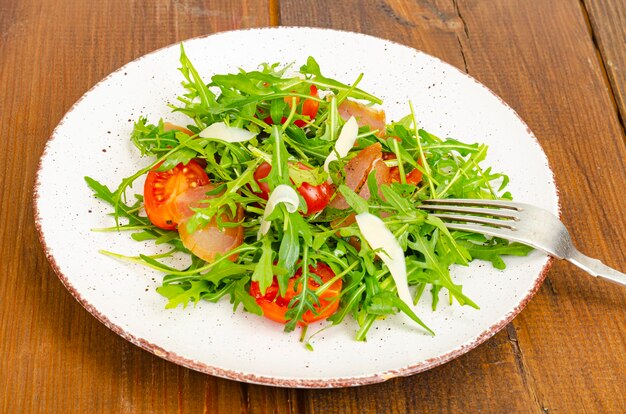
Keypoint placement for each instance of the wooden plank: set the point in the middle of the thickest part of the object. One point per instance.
(607, 20)
(538, 56)
(54, 356)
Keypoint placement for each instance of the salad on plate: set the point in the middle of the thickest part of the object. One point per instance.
(294, 197)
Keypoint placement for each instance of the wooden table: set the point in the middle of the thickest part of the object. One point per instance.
(561, 64)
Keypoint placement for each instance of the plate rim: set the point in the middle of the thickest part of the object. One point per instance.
(271, 380)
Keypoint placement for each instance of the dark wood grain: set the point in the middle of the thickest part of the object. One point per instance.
(558, 63)
(607, 20)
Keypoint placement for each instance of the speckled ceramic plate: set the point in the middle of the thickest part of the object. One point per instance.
(93, 140)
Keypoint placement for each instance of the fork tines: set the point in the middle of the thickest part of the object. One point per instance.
(477, 202)
(473, 211)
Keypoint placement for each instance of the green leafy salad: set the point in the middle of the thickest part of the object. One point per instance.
(295, 198)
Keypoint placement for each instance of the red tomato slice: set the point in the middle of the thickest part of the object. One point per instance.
(261, 172)
(414, 177)
(209, 241)
(275, 306)
(309, 108)
(162, 187)
(316, 197)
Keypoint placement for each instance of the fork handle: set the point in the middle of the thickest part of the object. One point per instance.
(596, 268)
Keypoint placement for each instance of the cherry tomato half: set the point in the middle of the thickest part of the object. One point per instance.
(309, 107)
(414, 177)
(316, 197)
(162, 188)
(275, 306)
(261, 172)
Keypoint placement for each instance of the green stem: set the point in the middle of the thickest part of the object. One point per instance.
(463, 170)
(203, 269)
(369, 321)
(396, 150)
(427, 173)
(335, 278)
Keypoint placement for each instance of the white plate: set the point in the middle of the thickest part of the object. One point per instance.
(93, 140)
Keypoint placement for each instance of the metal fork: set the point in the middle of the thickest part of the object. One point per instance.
(522, 223)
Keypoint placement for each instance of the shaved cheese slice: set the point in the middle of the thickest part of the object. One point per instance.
(223, 132)
(346, 140)
(281, 194)
(378, 236)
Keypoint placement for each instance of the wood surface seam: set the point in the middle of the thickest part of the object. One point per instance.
(245, 397)
(550, 286)
(522, 367)
(465, 30)
(458, 13)
(458, 39)
(274, 6)
(602, 63)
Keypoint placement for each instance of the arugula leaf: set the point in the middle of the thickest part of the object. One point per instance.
(194, 81)
(239, 295)
(305, 300)
(100, 190)
(312, 68)
(385, 303)
(279, 173)
(494, 251)
(439, 266)
(263, 272)
(400, 204)
(313, 176)
(289, 251)
(356, 202)
(178, 295)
